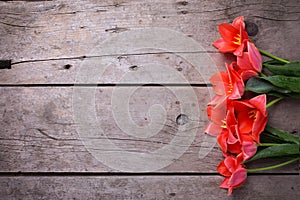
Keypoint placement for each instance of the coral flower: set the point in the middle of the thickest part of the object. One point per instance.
(234, 172)
(251, 116)
(245, 146)
(250, 63)
(217, 115)
(233, 37)
(232, 142)
(229, 84)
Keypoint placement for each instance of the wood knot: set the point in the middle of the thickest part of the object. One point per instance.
(182, 119)
(251, 28)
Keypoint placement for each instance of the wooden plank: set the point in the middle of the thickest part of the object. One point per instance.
(126, 69)
(57, 26)
(37, 32)
(146, 187)
(40, 128)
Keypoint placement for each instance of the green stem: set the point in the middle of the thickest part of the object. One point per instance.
(262, 74)
(273, 102)
(273, 166)
(267, 144)
(272, 56)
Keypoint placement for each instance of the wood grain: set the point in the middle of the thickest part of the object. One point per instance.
(125, 69)
(39, 131)
(41, 38)
(146, 187)
(48, 43)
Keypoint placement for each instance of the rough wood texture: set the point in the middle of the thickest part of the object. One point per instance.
(65, 71)
(39, 132)
(48, 42)
(38, 32)
(145, 187)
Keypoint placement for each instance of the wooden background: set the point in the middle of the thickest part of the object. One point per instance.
(43, 44)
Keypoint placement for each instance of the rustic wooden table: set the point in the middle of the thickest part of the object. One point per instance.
(44, 45)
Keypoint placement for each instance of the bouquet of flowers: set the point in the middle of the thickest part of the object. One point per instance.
(238, 111)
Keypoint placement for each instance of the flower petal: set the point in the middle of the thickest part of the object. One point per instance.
(222, 169)
(230, 163)
(224, 183)
(260, 103)
(246, 74)
(213, 129)
(228, 32)
(244, 61)
(254, 56)
(249, 149)
(238, 22)
(238, 177)
(219, 82)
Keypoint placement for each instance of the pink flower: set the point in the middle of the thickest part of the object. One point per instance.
(217, 114)
(234, 172)
(250, 63)
(228, 84)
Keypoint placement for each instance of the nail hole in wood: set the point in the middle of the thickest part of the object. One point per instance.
(184, 3)
(184, 12)
(5, 64)
(182, 119)
(133, 68)
(67, 66)
(173, 194)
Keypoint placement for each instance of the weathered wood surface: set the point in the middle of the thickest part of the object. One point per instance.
(48, 43)
(58, 29)
(35, 33)
(39, 132)
(66, 71)
(146, 187)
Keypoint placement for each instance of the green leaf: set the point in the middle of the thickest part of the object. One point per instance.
(259, 85)
(277, 151)
(276, 94)
(289, 69)
(285, 136)
(287, 82)
(294, 95)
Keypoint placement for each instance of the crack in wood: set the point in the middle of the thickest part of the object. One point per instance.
(272, 19)
(19, 26)
(112, 55)
(116, 29)
(43, 132)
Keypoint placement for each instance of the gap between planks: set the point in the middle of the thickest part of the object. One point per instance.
(109, 85)
(134, 174)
